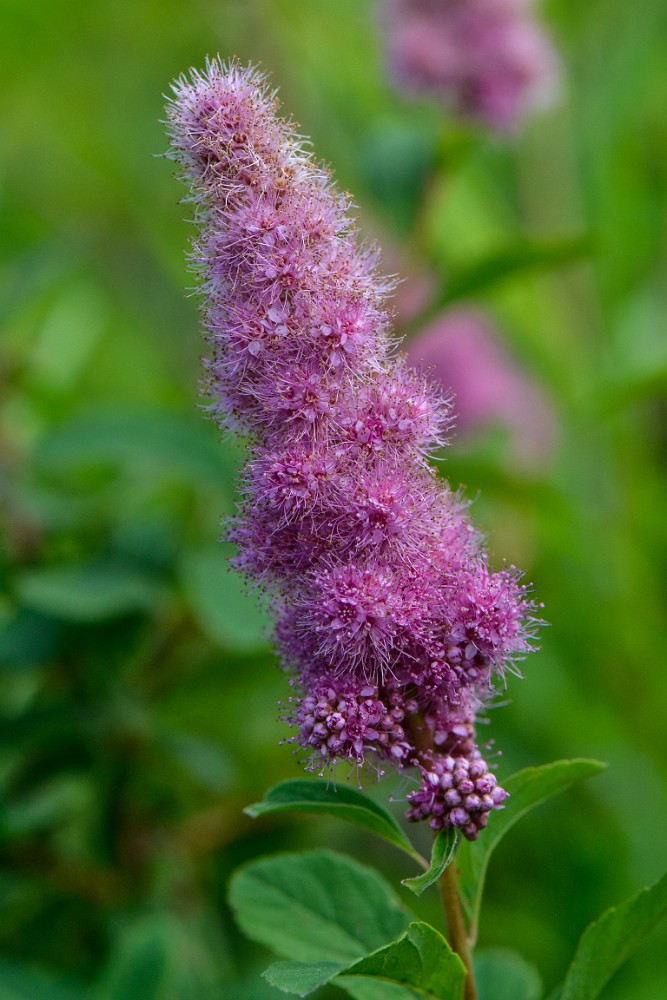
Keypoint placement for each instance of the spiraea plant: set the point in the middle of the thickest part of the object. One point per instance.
(388, 619)
(392, 627)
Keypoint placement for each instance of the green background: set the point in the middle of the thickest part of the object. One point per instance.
(138, 692)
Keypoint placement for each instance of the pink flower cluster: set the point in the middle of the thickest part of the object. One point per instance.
(388, 617)
(486, 59)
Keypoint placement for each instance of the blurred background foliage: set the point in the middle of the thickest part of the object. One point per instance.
(138, 690)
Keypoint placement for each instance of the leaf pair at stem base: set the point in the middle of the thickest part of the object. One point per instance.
(340, 922)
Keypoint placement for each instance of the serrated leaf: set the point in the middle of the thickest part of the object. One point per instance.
(301, 978)
(88, 592)
(420, 963)
(442, 855)
(317, 906)
(527, 788)
(419, 960)
(320, 797)
(611, 939)
(502, 974)
(218, 598)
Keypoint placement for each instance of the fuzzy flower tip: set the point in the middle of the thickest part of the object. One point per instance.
(388, 618)
(488, 60)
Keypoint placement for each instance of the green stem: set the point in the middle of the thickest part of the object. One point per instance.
(458, 937)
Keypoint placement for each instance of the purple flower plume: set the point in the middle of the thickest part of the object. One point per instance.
(388, 619)
(486, 59)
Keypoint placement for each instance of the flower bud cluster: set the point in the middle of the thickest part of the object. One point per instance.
(458, 792)
(388, 617)
(488, 60)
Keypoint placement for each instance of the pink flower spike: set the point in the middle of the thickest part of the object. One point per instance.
(388, 620)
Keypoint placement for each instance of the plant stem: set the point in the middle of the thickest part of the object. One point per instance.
(458, 937)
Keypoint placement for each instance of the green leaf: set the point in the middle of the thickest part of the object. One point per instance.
(147, 441)
(502, 974)
(21, 982)
(315, 796)
(419, 964)
(367, 988)
(442, 855)
(301, 978)
(158, 957)
(218, 598)
(73, 326)
(55, 723)
(28, 638)
(396, 159)
(205, 761)
(249, 987)
(526, 258)
(51, 803)
(527, 788)
(316, 906)
(503, 264)
(611, 939)
(88, 592)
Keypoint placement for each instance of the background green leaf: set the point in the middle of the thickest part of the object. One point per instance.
(608, 942)
(89, 593)
(28, 638)
(501, 974)
(164, 444)
(158, 957)
(503, 265)
(205, 761)
(20, 982)
(219, 599)
(527, 788)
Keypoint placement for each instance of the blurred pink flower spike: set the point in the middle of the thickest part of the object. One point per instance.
(487, 60)
(465, 353)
